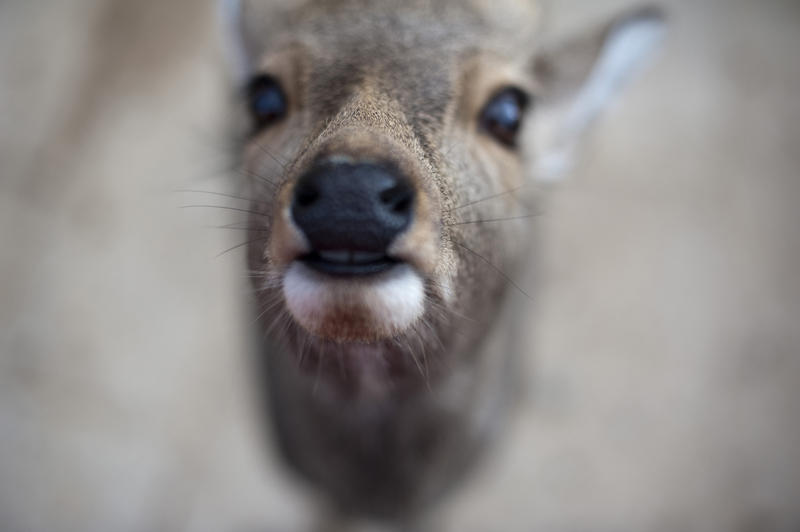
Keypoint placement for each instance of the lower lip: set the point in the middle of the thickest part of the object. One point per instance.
(354, 309)
(341, 269)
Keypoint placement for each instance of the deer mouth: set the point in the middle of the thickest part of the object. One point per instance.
(347, 244)
(353, 298)
(349, 263)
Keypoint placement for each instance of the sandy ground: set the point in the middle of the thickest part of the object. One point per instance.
(664, 343)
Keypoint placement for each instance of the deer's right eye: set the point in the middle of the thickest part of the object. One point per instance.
(267, 101)
(502, 116)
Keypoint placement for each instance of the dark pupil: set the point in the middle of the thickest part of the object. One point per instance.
(502, 117)
(267, 101)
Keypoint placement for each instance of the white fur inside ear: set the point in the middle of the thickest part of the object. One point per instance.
(230, 15)
(624, 53)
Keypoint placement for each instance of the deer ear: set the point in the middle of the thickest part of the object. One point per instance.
(230, 14)
(580, 78)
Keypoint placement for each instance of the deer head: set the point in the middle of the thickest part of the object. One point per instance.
(391, 148)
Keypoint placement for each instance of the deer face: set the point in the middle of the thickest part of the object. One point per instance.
(391, 154)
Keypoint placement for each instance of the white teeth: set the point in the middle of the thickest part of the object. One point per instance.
(361, 257)
(350, 257)
(342, 257)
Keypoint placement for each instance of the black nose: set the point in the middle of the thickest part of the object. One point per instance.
(353, 210)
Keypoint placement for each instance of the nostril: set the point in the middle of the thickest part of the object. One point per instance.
(399, 198)
(352, 207)
(306, 195)
(403, 206)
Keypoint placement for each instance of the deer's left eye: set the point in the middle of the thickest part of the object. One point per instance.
(502, 116)
(267, 101)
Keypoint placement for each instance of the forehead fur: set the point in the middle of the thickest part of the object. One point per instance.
(408, 51)
(503, 25)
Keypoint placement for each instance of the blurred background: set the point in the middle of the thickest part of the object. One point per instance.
(663, 354)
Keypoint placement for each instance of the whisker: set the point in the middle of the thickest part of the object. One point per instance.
(275, 302)
(320, 355)
(495, 220)
(495, 268)
(414, 356)
(268, 286)
(242, 245)
(226, 208)
(234, 167)
(238, 226)
(255, 273)
(265, 150)
(423, 352)
(267, 277)
(287, 325)
(444, 313)
(275, 323)
(304, 346)
(462, 316)
(494, 196)
(216, 170)
(213, 193)
(405, 347)
(257, 176)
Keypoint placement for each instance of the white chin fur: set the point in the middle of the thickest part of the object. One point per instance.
(354, 309)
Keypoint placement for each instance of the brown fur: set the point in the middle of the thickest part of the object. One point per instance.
(386, 421)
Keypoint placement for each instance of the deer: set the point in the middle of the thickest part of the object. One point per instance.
(392, 153)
